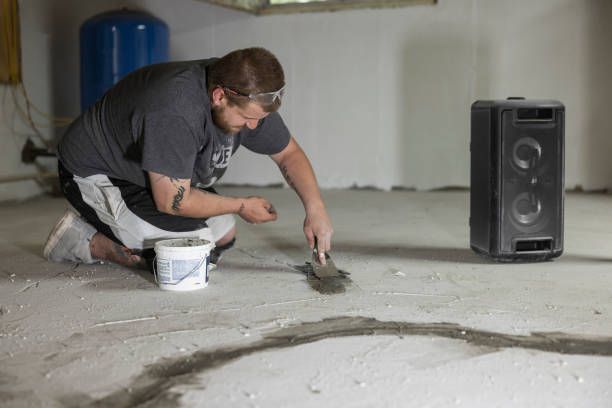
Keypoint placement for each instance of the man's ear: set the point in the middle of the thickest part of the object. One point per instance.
(218, 95)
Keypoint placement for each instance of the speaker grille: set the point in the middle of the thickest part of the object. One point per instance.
(531, 178)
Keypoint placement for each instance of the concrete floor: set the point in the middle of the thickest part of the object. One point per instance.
(426, 323)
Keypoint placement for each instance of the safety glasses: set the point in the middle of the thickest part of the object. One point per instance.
(264, 98)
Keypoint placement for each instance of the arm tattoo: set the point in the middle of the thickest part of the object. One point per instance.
(285, 172)
(176, 201)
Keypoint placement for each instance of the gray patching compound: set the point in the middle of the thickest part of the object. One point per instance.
(156, 381)
(327, 285)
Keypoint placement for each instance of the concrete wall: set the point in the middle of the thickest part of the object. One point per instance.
(377, 97)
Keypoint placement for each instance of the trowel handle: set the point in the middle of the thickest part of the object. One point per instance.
(315, 252)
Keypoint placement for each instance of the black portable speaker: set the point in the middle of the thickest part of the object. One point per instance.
(517, 179)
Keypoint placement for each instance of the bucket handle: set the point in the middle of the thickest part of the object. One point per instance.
(184, 277)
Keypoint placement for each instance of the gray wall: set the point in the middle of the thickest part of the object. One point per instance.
(376, 97)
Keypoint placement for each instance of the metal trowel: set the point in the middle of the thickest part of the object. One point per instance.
(323, 271)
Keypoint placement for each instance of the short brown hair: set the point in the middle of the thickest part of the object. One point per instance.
(250, 71)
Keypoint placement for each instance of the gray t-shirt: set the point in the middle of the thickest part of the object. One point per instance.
(158, 119)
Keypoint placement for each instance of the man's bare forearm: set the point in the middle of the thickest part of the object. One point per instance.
(297, 170)
(178, 197)
(298, 173)
(202, 204)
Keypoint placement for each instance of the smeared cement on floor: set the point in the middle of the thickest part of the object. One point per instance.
(155, 383)
(328, 285)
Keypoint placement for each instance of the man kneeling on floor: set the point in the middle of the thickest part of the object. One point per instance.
(139, 165)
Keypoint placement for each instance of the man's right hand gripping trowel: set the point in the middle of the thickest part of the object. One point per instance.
(323, 271)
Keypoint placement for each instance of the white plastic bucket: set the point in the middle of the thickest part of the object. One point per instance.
(181, 264)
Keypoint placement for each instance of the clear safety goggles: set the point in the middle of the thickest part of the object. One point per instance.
(264, 98)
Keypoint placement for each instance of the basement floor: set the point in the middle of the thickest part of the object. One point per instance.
(424, 323)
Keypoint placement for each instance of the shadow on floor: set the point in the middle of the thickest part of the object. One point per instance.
(424, 253)
(420, 253)
(585, 258)
(231, 267)
(32, 249)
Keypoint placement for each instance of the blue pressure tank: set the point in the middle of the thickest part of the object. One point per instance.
(115, 43)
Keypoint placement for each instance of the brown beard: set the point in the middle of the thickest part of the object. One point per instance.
(218, 120)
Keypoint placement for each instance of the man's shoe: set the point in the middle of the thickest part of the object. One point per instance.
(69, 240)
(217, 252)
(213, 259)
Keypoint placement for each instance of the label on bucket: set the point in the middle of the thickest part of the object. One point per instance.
(173, 270)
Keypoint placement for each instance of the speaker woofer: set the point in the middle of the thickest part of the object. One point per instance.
(526, 153)
(526, 209)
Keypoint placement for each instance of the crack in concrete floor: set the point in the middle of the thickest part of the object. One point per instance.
(154, 384)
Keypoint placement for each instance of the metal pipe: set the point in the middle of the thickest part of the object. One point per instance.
(25, 177)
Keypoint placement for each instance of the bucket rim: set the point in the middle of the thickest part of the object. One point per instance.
(204, 244)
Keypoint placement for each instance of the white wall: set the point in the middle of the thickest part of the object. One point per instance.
(381, 97)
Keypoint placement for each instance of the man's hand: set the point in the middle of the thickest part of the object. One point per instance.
(256, 210)
(317, 224)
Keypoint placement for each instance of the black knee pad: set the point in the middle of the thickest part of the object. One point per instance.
(216, 252)
(149, 256)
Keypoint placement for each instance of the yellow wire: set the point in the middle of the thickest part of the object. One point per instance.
(60, 120)
(11, 69)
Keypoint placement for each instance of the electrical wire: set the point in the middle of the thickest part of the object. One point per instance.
(26, 117)
(8, 118)
(26, 111)
(10, 74)
(22, 109)
(57, 120)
